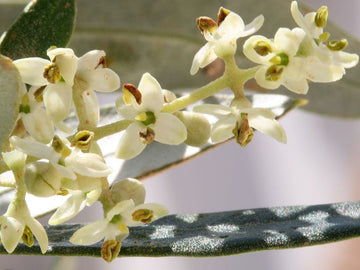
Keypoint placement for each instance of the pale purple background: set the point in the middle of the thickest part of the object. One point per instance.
(319, 164)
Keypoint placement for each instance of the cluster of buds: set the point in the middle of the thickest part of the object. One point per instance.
(45, 164)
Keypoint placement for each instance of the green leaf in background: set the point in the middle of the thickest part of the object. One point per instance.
(10, 95)
(43, 23)
(223, 233)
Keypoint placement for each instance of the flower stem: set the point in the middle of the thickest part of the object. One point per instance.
(199, 94)
(107, 130)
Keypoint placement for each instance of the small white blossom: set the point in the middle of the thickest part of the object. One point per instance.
(114, 225)
(58, 77)
(13, 225)
(222, 37)
(67, 161)
(325, 62)
(84, 191)
(143, 107)
(231, 118)
(278, 58)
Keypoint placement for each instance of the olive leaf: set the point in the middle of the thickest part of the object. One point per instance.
(42, 24)
(222, 233)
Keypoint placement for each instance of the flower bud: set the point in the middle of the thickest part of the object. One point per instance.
(197, 126)
(42, 179)
(126, 189)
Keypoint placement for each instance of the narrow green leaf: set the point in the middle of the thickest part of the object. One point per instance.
(10, 95)
(43, 23)
(223, 233)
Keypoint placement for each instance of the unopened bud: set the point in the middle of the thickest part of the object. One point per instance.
(110, 250)
(197, 126)
(127, 189)
(42, 179)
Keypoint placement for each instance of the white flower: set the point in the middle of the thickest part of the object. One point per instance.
(84, 191)
(13, 224)
(67, 161)
(280, 64)
(58, 77)
(325, 62)
(222, 37)
(114, 225)
(35, 118)
(231, 118)
(143, 107)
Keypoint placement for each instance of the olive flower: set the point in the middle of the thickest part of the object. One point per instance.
(143, 106)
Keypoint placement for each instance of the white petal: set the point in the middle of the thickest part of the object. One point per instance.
(121, 208)
(130, 144)
(263, 82)
(90, 233)
(250, 53)
(223, 128)
(151, 94)
(93, 196)
(299, 18)
(267, 126)
(32, 69)
(202, 58)
(91, 107)
(213, 109)
(102, 80)
(87, 164)
(288, 41)
(126, 111)
(253, 27)
(72, 206)
(259, 111)
(298, 87)
(157, 209)
(347, 60)
(57, 100)
(66, 60)
(233, 26)
(11, 233)
(38, 230)
(169, 129)
(324, 72)
(90, 60)
(34, 148)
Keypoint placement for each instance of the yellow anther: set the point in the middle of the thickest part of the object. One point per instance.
(324, 36)
(131, 92)
(83, 139)
(143, 215)
(148, 136)
(337, 45)
(110, 250)
(52, 73)
(273, 73)
(206, 24)
(321, 17)
(243, 132)
(223, 12)
(262, 48)
(28, 237)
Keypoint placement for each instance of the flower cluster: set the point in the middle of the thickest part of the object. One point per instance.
(45, 163)
(299, 55)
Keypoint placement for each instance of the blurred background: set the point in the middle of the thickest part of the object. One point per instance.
(319, 164)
